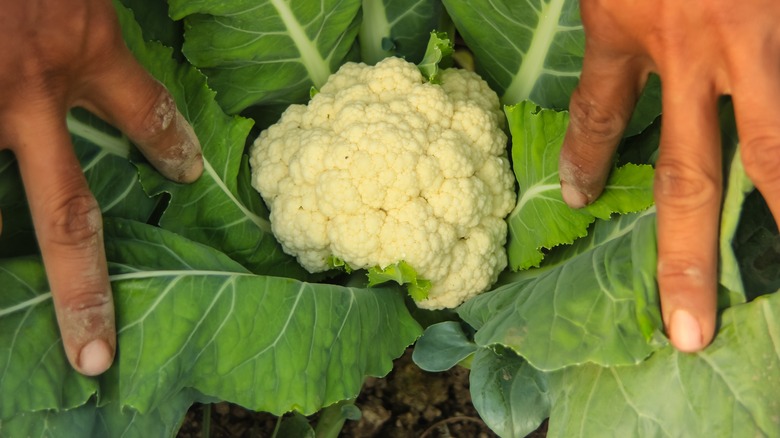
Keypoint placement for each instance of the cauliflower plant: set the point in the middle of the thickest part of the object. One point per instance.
(383, 167)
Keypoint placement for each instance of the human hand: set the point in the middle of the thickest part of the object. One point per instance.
(701, 50)
(58, 54)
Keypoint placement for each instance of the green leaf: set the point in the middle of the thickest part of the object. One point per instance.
(266, 52)
(332, 418)
(442, 346)
(738, 187)
(210, 210)
(35, 375)
(729, 389)
(529, 49)
(315, 346)
(339, 264)
(295, 426)
(109, 420)
(103, 153)
(440, 48)
(397, 28)
(17, 237)
(247, 195)
(541, 220)
(598, 306)
(533, 50)
(153, 17)
(511, 396)
(757, 247)
(308, 352)
(403, 274)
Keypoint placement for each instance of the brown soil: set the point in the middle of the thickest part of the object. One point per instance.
(407, 403)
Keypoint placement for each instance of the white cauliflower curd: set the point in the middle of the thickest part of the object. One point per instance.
(382, 167)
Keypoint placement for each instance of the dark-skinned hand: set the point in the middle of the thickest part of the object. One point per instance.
(60, 54)
(701, 49)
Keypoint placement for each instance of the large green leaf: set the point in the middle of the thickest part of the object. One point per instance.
(397, 28)
(210, 210)
(268, 51)
(597, 307)
(530, 49)
(110, 420)
(268, 343)
(311, 349)
(541, 220)
(511, 396)
(533, 50)
(34, 372)
(103, 153)
(729, 389)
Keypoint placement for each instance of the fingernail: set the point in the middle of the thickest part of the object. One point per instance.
(573, 197)
(685, 331)
(95, 358)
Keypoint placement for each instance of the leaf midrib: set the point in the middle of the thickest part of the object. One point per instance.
(315, 64)
(532, 65)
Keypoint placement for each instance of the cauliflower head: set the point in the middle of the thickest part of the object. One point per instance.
(382, 167)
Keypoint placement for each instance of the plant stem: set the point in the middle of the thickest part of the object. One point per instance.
(206, 426)
(332, 420)
(278, 425)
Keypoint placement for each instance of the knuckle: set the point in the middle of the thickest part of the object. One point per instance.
(84, 314)
(679, 185)
(683, 271)
(77, 221)
(592, 122)
(157, 116)
(761, 158)
(92, 301)
(100, 33)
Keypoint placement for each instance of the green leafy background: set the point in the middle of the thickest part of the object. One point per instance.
(572, 331)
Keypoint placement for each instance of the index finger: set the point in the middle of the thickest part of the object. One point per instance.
(68, 225)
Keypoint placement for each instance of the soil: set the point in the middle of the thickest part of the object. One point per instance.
(407, 403)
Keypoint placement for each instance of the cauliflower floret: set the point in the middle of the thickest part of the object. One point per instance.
(382, 167)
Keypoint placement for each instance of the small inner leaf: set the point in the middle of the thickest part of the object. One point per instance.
(439, 51)
(403, 274)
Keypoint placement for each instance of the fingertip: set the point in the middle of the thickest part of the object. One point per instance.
(142, 107)
(88, 334)
(173, 148)
(190, 167)
(581, 183)
(572, 196)
(95, 358)
(685, 332)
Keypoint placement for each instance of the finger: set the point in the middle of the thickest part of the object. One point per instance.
(755, 104)
(687, 194)
(599, 111)
(128, 97)
(68, 225)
